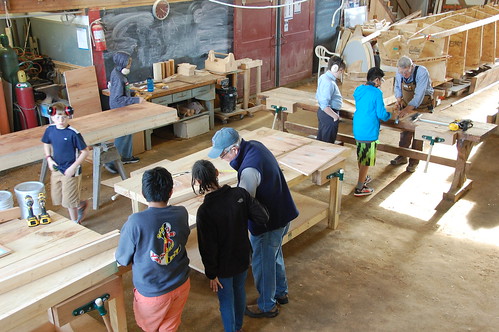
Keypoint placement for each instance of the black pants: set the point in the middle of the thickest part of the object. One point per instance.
(406, 137)
(328, 128)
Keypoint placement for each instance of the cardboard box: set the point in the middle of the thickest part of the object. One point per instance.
(193, 127)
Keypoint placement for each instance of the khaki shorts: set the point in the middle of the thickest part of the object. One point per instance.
(65, 190)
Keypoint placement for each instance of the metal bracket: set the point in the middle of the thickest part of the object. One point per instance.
(338, 174)
(89, 306)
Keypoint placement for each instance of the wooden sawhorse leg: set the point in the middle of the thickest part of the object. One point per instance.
(460, 184)
(101, 155)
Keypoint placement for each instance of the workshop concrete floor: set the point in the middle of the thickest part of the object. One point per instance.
(393, 264)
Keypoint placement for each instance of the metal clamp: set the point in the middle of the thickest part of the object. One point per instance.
(338, 174)
(89, 306)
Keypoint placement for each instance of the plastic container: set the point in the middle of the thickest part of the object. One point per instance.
(228, 99)
(9, 63)
(6, 200)
(32, 188)
(150, 85)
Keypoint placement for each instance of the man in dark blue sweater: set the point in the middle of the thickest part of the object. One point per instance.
(258, 172)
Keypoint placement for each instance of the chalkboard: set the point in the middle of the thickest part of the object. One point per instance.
(325, 34)
(191, 29)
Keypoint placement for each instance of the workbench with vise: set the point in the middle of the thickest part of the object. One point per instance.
(51, 272)
(464, 140)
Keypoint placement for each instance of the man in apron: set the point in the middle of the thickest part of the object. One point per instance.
(414, 92)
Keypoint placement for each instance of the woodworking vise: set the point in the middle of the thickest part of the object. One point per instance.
(432, 140)
(92, 305)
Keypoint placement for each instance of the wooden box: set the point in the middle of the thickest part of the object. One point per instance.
(193, 127)
(186, 69)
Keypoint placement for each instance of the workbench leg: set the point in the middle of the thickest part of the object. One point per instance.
(211, 112)
(43, 171)
(246, 88)
(103, 154)
(117, 310)
(282, 117)
(96, 176)
(334, 202)
(147, 139)
(460, 184)
(258, 83)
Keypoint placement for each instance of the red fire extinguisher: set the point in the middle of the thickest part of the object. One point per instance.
(98, 36)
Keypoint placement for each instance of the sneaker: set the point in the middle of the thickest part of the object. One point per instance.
(110, 168)
(368, 180)
(411, 168)
(82, 211)
(255, 312)
(282, 299)
(365, 191)
(399, 160)
(131, 160)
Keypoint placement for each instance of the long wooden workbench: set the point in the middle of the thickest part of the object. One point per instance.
(23, 147)
(299, 157)
(295, 100)
(50, 270)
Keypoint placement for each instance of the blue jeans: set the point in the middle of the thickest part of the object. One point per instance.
(232, 298)
(268, 267)
(124, 145)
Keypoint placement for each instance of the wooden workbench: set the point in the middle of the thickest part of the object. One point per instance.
(295, 100)
(327, 159)
(53, 269)
(181, 88)
(25, 146)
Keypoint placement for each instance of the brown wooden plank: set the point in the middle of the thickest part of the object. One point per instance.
(309, 158)
(83, 91)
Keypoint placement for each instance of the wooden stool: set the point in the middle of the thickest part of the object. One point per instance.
(102, 153)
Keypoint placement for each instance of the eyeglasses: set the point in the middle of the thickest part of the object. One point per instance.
(225, 152)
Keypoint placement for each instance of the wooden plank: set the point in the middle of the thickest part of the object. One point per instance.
(83, 91)
(31, 273)
(63, 312)
(431, 130)
(10, 214)
(484, 79)
(309, 158)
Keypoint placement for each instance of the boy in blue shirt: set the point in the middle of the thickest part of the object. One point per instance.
(369, 111)
(330, 101)
(65, 150)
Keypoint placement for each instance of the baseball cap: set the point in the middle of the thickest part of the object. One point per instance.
(222, 139)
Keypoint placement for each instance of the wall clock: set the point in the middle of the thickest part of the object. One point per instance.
(160, 9)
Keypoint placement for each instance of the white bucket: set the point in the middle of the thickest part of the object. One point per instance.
(32, 188)
(6, 200)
